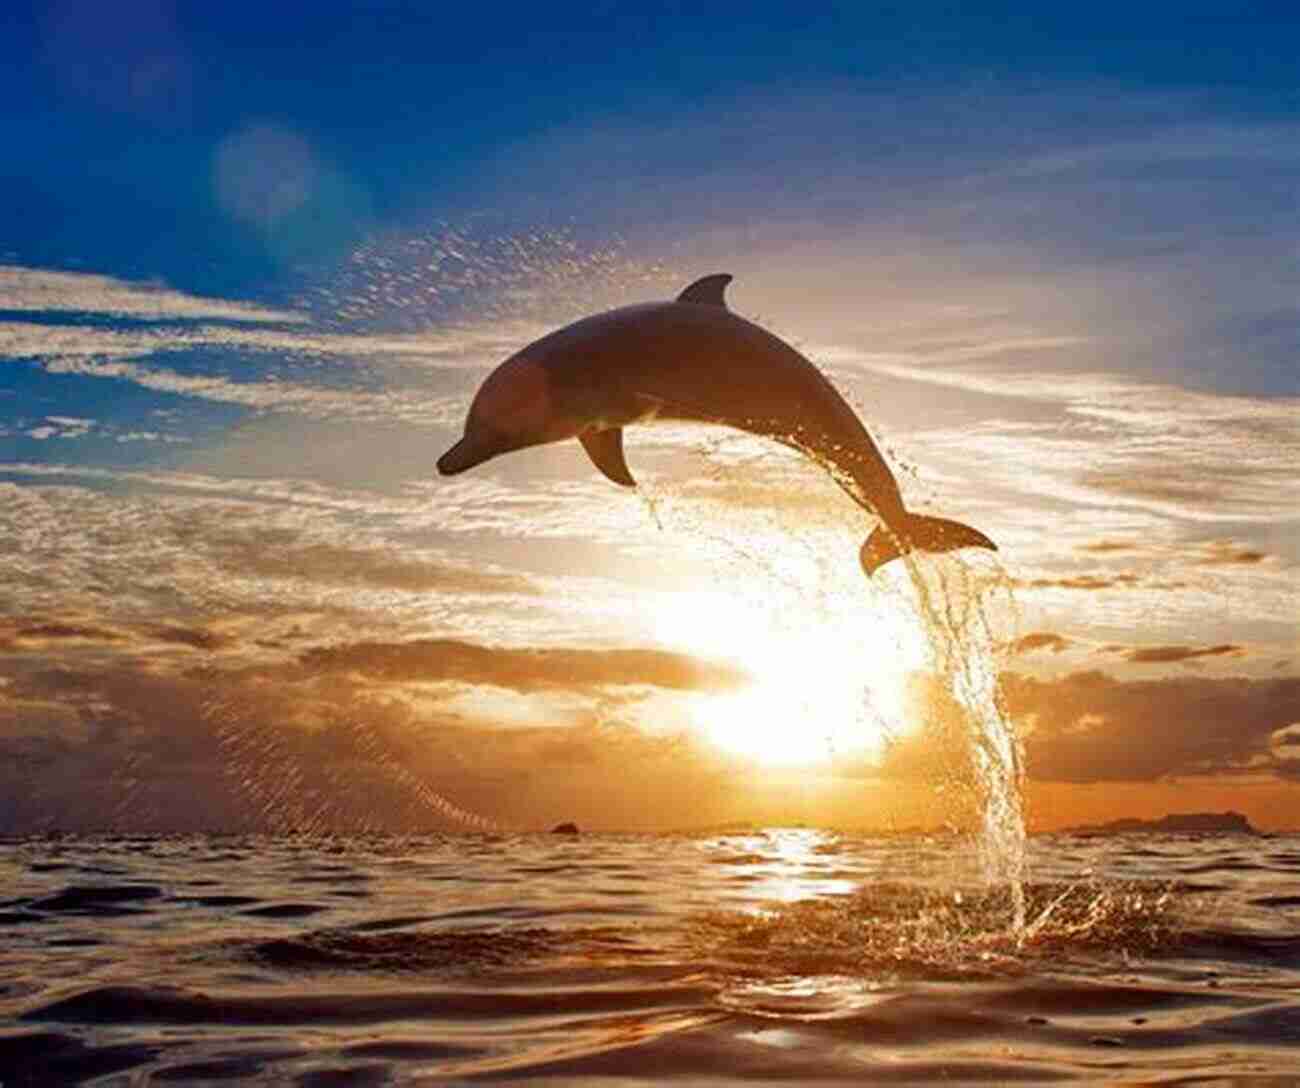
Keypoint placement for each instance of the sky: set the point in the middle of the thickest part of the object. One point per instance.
(254, 263)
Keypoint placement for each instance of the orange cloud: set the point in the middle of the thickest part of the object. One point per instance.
(1041, 640)
(281, 747)
(1104, 547)
(281, 554)
(1097, 582)
(1158, 655)
(1229, 553)
(520, 669)
(1092, 727)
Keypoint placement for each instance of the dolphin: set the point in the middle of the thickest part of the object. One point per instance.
(693, 360)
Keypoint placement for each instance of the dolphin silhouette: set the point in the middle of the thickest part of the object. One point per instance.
(694, 360)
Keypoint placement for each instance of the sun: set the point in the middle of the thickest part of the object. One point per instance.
(828, 664)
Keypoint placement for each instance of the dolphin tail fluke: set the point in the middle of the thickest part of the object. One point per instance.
(919, 533)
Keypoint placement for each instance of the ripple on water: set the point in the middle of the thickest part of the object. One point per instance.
(923, 981)
(103, 899)
(108, 1005)
(459, 949)
(285, 910)
(1277, 901)
(20, 918)
(918, 930)
(224, 900)
(49, 1057)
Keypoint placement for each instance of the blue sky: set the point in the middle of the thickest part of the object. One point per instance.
(255, 260)
(122, 112)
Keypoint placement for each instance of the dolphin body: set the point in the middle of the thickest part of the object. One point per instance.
(694, 360)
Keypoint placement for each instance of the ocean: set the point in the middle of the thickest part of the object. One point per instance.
(793, 956)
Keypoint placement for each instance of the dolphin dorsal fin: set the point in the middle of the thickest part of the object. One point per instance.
(708, 291)
(605, 448)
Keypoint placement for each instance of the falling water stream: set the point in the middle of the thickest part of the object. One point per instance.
(953, 602)
(959, 603)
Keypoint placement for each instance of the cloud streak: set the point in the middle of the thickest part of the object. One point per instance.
(1162, 655)
(523, 670)
(44, 290)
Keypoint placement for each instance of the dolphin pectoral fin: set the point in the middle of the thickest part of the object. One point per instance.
(605, 448)
(708, 291)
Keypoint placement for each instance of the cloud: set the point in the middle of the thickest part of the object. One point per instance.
(253, 558)
(414, 407)
(1228, 553)
(1206, 553)
(58, 632)
(55, 633)
(1284, 752)
(1106, 547)
(46, 291)
(197, 638)
(367, 735)
(422, 372)
(1287, 737)
(1092, 727)
(1041, 640)
(1155, 655)
(451, 346)
(277, 747)
(284, 554)
(1085, 581)
(1169, 451)
(522, 669)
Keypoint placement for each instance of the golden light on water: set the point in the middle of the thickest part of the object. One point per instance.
(828, 669)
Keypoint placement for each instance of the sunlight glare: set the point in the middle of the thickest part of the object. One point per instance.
(828, 667)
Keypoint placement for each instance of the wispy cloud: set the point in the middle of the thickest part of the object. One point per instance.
(464, 346)
(413, 407)
(524, 670)
(44, 290)
(1231, 553)
(262, 554)
(1161, 655)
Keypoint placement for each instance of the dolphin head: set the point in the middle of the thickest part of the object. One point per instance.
(473, 449)
(514, 408)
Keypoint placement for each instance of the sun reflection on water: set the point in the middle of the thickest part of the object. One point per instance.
(782, 865)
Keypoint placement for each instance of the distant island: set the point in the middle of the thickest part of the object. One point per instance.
(1181, 823)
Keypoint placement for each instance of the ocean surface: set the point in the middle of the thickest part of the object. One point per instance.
(792, 956)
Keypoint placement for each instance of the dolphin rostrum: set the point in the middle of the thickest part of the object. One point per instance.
(691, 359)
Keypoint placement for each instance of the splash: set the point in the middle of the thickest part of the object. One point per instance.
(956, 603)
(903, 669)
(285, 786)
(827, 670)
(938, 931)
(485, 272)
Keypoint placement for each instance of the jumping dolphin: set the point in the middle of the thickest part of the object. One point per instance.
(691, 359)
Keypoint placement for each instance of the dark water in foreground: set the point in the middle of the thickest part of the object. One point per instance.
(792, 956)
